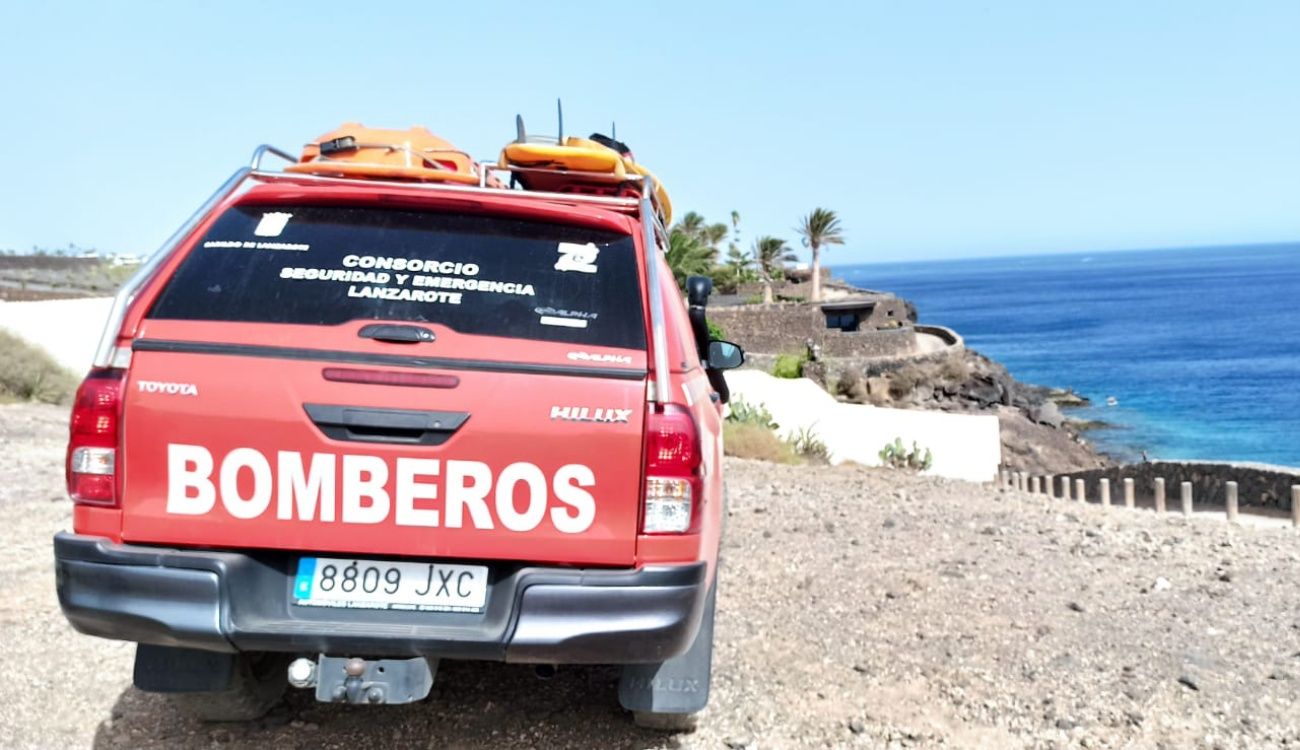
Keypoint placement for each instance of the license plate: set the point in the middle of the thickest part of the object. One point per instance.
(382, 584)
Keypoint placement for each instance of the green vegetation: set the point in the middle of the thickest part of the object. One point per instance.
(695, 248)
(750, 432)
(819, 228)
(896, 456)
(789, 366)
(687, 256)
(737, 269)
(806, 443)
(715, 331)
(770, 256)
(27, 373)
(745, 413)
(748, 440)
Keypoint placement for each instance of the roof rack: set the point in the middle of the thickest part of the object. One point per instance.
(485, 169)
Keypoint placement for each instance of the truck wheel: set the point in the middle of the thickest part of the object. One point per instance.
(257, 684)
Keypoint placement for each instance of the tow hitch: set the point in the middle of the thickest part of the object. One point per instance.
(339, 679)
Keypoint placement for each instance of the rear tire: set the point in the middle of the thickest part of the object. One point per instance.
(256, 686)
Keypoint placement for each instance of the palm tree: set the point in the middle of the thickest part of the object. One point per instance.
(688, 256)
(693, 225)
(821, 227)
(713, 234)
(770, 256)
(733, 247)
(738, 267)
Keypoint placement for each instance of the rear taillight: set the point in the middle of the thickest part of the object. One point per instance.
(672, 471)
(92, 445)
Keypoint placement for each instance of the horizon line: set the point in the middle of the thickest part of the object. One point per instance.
(1249, 246)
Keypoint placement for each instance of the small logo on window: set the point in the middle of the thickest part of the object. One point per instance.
(575, 257)
(272, 224)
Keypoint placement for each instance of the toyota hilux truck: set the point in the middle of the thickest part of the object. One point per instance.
(340, 428)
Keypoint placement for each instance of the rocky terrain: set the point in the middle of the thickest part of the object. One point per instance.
(1038, 436)
(858, 608)
(37, 277)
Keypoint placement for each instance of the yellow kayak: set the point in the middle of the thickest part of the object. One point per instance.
(581, 165)
(575, 154)
(661, 194)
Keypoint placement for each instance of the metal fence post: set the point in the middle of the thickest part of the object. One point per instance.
(1033, 485)
(1160, 494)
(1185, 494)
(1080, 493)
(1230, 500)
(1129, 500)
(1105, 493)
(1049, 486)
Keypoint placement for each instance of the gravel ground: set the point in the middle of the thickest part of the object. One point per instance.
(859, 608)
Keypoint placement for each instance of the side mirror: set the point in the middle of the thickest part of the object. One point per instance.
(724, 355)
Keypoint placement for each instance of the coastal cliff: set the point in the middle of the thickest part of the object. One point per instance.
(1037, 434)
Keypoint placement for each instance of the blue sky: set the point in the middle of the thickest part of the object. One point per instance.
(936, 129)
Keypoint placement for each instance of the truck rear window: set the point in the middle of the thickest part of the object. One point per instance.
(482, 275)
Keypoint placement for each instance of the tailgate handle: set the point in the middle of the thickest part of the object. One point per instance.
(405, 426)
(396, 334)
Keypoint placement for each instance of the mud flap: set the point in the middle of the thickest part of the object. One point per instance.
(679, 685)
(166, 669)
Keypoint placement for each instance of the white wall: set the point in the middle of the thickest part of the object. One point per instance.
(68, 329)
(965, 446)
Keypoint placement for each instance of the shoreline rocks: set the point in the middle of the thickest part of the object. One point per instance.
(1037, 434)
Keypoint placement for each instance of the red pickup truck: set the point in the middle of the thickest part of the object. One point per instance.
(340, 428)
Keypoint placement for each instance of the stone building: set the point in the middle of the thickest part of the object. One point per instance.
(863, 325)
(866, 313)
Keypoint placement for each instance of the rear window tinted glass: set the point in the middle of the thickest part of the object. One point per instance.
(492, 276)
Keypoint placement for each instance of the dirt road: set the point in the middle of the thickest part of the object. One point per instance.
(859, 609)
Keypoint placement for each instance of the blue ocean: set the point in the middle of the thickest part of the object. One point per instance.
(1198, 348)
